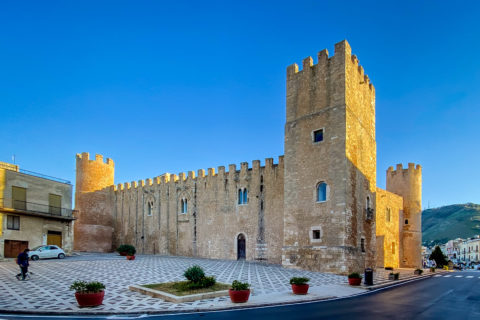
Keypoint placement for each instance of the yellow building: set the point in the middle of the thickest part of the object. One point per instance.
(34, 210)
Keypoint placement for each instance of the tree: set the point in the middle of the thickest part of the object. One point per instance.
(439, 257)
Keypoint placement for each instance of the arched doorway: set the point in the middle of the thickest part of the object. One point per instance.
(241, 252)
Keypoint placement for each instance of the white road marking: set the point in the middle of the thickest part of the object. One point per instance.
(458, 276)
(469, 277)
(447, 276)
(436, 276)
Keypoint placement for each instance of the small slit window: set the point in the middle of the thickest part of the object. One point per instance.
(184, 206)
(149, 208)
(388, 215)
(362, 244)
(318, 135)
(316, 234)
(322, 192)
(406, 221)
(393, 247)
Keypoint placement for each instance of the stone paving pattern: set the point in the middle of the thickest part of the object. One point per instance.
(48, 290)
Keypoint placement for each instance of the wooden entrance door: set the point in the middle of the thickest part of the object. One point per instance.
(13, 247)
(241, 250)
(55, 238)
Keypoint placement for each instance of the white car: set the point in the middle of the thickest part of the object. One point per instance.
(49, 251)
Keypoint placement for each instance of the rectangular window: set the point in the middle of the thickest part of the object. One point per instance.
(388, 215)
(318, 135)
(19, 198)
(13, 222)
(55, 204)
(362, 244)
(393, 247)
(315, 234)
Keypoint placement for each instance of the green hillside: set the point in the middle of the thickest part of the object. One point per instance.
(450, 222)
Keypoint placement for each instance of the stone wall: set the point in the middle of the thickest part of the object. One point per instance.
(407, 183)
(94, 225)
(148, 214)
(389, 218)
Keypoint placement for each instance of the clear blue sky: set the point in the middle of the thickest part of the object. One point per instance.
(176, 86)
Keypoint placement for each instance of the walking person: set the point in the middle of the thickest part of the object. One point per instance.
(22, 261)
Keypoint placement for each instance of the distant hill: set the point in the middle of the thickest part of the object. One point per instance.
(450, 222)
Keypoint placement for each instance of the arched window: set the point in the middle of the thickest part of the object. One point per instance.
(184, 206)
(321, 192)
(242, 196)
(149, 208)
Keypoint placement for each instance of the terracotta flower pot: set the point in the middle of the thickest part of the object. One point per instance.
(239, 296)
(123, 253)
(89, 299)
(300, 288)
(354, 281)
(130, 257)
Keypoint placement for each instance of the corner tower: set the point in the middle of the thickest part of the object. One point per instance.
(93, 229)
(330, 165)
(408, 184)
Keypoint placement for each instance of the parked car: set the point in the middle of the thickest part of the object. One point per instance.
(43, 252)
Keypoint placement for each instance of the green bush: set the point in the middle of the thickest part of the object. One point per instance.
(87, 287)
(194, 274)
(205, 282)
(237, 285)
(419, 271)
(354, 275)
(299, 280)
(127, 248)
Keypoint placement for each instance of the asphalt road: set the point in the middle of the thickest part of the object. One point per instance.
(453, 297)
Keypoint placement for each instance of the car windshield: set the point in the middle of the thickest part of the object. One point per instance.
(36, 248)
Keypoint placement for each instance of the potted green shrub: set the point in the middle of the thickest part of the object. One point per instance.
(354, 279)
(393, 276)
(88, 294)
(418, 272)
(299, 285)
(127, 250)
(122, 249)
(432, 269)
(240, 292)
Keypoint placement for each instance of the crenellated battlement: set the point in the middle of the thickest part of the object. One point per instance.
(210, 173)
(85, 157)
(341, 56)
(411, 169)
(332, 81)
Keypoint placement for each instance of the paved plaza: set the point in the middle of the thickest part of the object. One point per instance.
(48, 290)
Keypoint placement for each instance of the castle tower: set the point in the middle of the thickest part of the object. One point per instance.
(93, 229)
(408, 184)
(330, 165)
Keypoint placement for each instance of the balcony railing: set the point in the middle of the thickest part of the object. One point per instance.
(35, 207)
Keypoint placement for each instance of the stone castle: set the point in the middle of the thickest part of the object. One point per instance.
(317, 208)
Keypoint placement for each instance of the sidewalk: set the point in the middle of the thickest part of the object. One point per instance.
(48, 291)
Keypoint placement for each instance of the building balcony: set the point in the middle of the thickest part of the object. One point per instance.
(8, 205)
